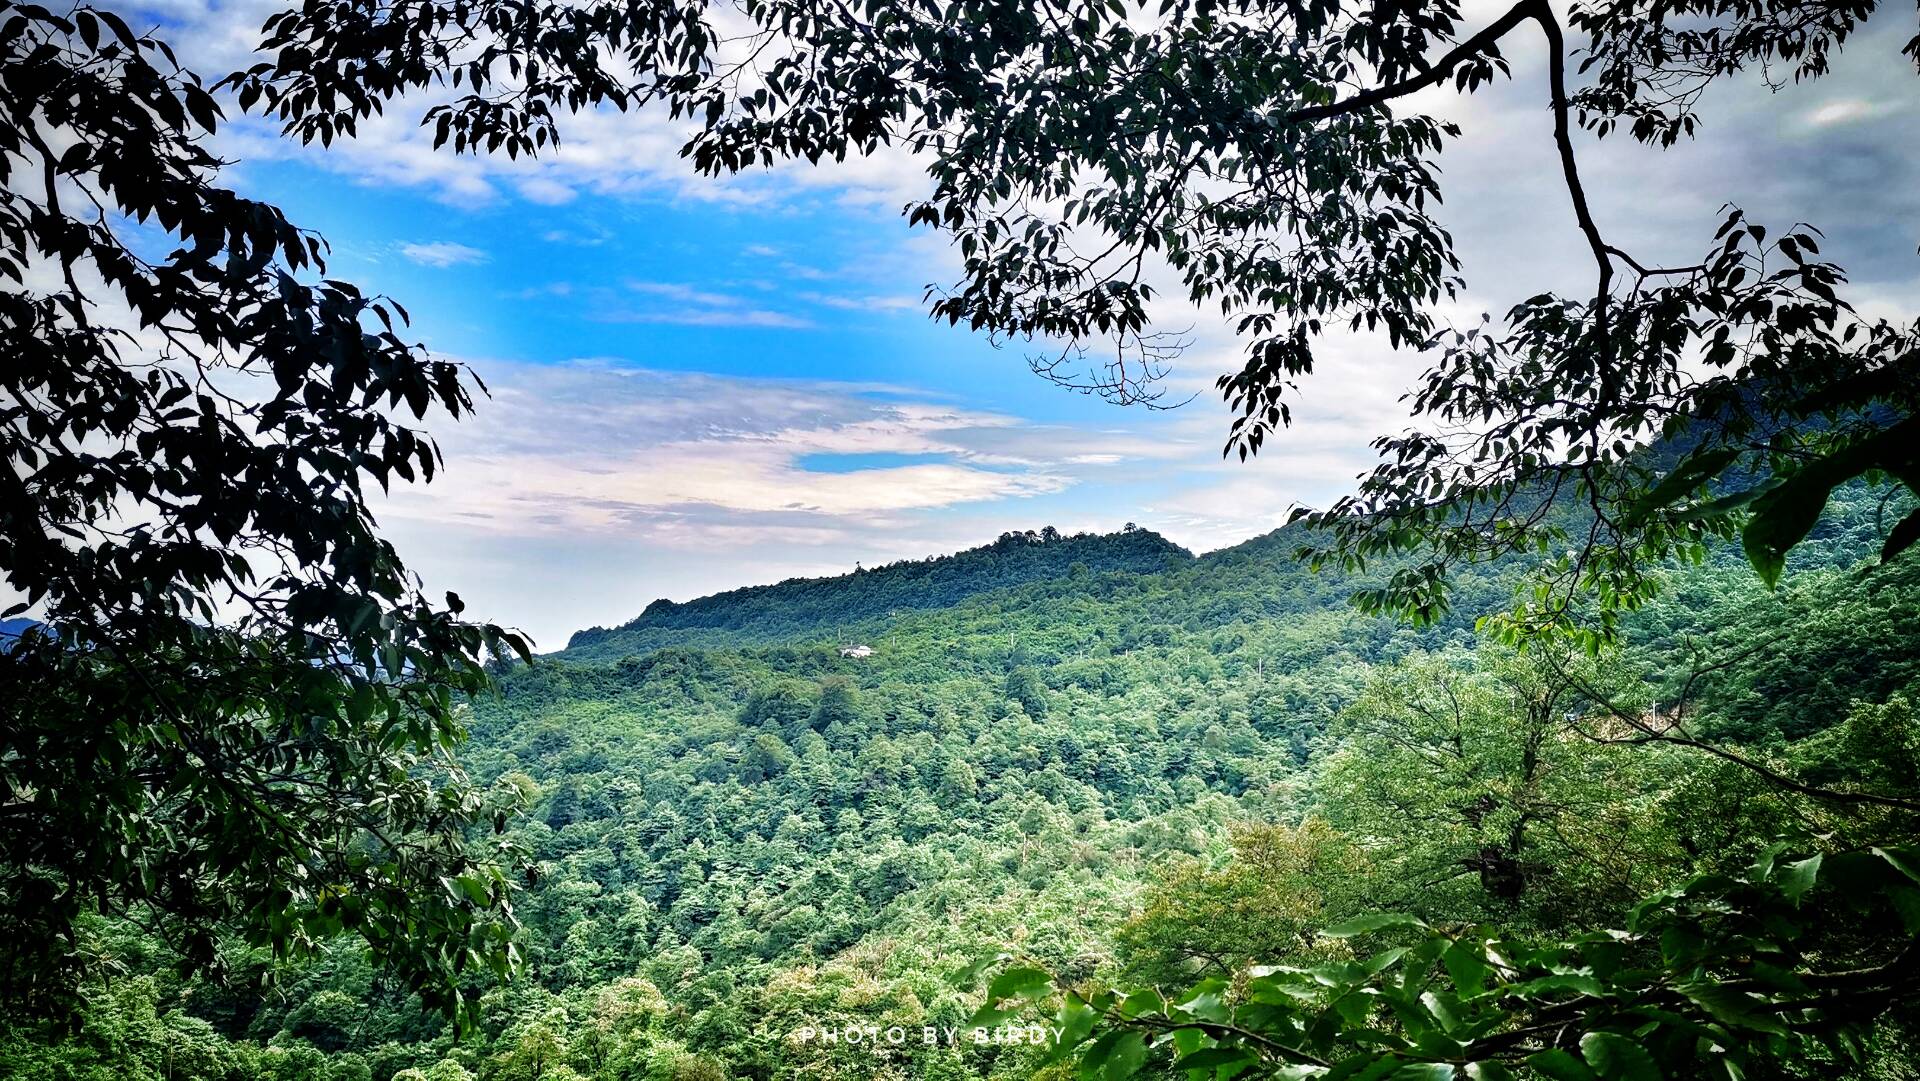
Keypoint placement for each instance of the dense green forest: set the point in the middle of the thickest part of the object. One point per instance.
(1100, 754)
(1574, 742)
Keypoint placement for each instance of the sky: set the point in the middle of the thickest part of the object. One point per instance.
(698, 384)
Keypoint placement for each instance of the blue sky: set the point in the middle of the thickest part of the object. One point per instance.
(700, 384)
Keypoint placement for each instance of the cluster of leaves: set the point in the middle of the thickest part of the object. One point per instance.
(237, 709)
(1711, 978)
(1797, 396)
(1651, 60)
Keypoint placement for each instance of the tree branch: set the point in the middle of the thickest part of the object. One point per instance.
(1473, 46)
(1542, 12)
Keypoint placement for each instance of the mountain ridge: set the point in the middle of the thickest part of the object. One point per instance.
(802, 607)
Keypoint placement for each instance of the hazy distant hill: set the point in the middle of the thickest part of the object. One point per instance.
(817, 607)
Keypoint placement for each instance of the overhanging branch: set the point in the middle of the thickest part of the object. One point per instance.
(1466, 50)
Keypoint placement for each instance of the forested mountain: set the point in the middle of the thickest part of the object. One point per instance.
(812, 606)
(1098, 753)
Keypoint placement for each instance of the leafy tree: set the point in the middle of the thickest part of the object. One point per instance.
(237, 710)
(786, 708)
(767, 757)
(563, 806)
(1269, 900)
(1024, 687)
(838, 704)
(1478, 796)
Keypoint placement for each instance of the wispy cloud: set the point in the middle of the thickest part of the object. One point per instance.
(592, 446)
(680, 304)
(590, 236)
(709, 317)
(1848, 111)
(860, 303)
(685, 294)
(442, 253)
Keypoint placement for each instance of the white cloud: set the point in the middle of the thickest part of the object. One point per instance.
(686, 305)
(854, 303)
(579, 492)
(1848, 111)
(442, 253)
(591, 446)
(685, 294)
(711, 317)
(546, 191)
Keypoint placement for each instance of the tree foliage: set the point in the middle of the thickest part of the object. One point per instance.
(236, 711)
(1719, 976)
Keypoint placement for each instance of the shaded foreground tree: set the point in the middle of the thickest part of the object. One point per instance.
(235, 714)
(1253, 148)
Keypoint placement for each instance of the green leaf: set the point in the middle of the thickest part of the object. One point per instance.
(1906, 902)
(1784, 516)
(1560, 1066)
(1731, 1007)
(1578, 982)
(1205, 1002)
(1762, 867)
(1797, 878)
(1076, 1021)
(969, 975)
(1376, 921)
(475, 889)
(1424, 1071)
(1093, 1062)
(1617, 1058)
(1128, 1055)
(1383, 960)
(1365, 1066)
(1019, 982)
(1901, 536)
(1685, 477)
(1466, 962)
(1210, 1058)
(1904, 860)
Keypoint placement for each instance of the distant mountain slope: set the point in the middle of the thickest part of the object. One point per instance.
(816, 607)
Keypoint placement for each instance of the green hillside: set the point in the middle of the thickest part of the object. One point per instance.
(804, 607)
(1100, 753)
